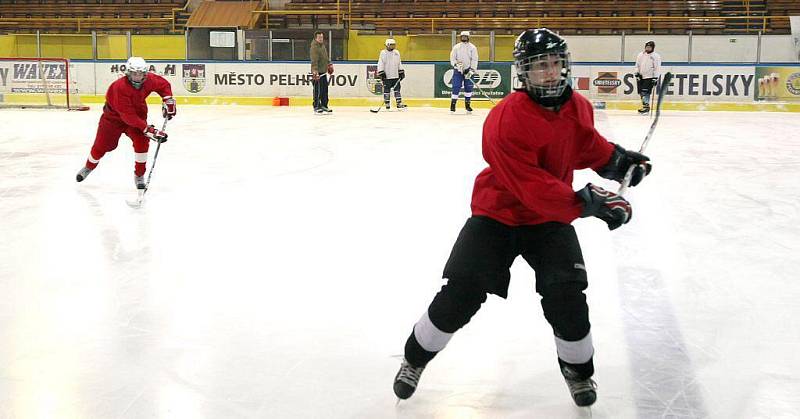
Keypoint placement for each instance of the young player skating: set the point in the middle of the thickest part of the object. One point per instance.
(125, 112)
(523, 204)
(391, 73)
(648, 68)
(464, 59)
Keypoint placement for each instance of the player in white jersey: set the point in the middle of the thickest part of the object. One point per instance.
(464, 59)
(391, 73)
(648, 68)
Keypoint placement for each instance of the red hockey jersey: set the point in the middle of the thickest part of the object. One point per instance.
(532, 153)
(126, 104)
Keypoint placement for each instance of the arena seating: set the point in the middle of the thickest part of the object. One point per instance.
(140, 16)
(782, 8)
(568, 16)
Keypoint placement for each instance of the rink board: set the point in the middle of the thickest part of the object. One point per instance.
(356, 83)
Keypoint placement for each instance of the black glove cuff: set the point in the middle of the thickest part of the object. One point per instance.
(615, 165)
(590, 204)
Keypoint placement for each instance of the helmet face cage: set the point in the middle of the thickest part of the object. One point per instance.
(136, 71)
(545, 75)
(136, 76)
(390, 44)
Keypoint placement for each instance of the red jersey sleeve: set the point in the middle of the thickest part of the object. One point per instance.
(596, 150)
(161, 86)
(513, 155)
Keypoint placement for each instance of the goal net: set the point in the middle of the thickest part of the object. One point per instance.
(48, 83)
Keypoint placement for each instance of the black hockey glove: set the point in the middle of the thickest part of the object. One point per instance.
(402, 74)
(621, 160)
(638, 77)
(468, 72)
(382, 75)
(605, 205)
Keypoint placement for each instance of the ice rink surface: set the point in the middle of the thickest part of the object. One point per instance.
(281, 259)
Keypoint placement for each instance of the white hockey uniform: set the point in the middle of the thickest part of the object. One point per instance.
(465, 53)
(648, 65)
(390, 63)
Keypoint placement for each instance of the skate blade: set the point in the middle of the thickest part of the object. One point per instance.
(138, 202)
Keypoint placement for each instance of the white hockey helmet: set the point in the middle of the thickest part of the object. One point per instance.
(136, 71)
(463, 34)
(390, 43)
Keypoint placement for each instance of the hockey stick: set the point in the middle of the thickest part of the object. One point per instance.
(378, 109)
(623, 187)
(653, 95)
(140, 200)
(481, 90)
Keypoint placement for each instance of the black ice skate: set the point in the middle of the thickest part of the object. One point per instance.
(453, 106)
(139, 180)
(388, 106)
(401, 106)
(644, 109)
(326, 109)
(83, 174)
(405, 382)
(583, 391)
(468, 106)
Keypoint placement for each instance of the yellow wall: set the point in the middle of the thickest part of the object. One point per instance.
(368, 47)
(159, 47)
(112, 47)
(173, 47)
(69, 46)
(503, 46)
(412, 48)
(26, 45)
(79, 46)
(425, 47)
(8, 46)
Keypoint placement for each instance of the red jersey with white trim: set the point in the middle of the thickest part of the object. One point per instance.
(532, 153)
(126, 104)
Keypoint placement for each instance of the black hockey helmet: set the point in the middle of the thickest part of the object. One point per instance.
(650, 44)
(543, 66)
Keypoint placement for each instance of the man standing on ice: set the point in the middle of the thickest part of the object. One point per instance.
(125, 112)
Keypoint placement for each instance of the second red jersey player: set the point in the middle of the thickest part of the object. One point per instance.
(125, 112)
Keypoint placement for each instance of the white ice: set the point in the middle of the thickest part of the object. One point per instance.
(281, 259)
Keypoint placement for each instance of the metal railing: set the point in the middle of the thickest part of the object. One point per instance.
(436, 23)
(441, 23)
(81, 23)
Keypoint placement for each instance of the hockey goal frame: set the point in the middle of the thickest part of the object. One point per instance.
(72, 100)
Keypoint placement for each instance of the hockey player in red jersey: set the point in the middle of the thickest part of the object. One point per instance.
(125, 112)
(523, 204)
